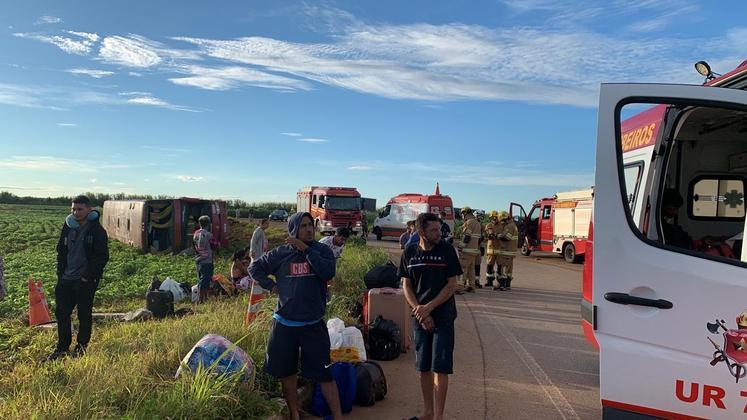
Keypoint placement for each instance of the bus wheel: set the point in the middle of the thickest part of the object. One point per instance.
(569, 253)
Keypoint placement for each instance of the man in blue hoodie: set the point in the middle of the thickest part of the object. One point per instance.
(302, 267)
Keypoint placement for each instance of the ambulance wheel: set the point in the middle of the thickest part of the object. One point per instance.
(377, 232)
(569, 253)
(525, 251)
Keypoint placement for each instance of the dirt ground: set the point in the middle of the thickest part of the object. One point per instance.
(519, 354)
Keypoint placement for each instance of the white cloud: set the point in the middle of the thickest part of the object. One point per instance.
(67, 125)
(140, 52)
(224, 78)
(131, 52)
(149, 100)
(93, 180)
(60, 98)
(189, 178)
(312, 140)
(58, 164)
(166, 149)
(462, 62)
(80, 44)
(96, 74)
(292, 134)
(47, 19)
(135, 74)
(359, 168)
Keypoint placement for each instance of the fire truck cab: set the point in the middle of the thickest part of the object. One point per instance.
(332, 207)
(558, 224)
(664, 291)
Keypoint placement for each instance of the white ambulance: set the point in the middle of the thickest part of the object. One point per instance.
(665, 280)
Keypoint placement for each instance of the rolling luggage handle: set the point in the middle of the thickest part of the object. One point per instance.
(626, 299)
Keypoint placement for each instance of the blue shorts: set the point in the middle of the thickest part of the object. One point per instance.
(284, 345)
(204, 275)
(434, 351)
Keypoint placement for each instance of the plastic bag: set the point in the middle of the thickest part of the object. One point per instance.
(172, 286)
(335, 325)
(220, 355)
(195, 293)
(335, 340)
(352, 337)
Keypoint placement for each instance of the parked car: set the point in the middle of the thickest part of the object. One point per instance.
(279, 214)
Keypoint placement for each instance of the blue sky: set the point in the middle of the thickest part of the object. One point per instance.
(253, 100)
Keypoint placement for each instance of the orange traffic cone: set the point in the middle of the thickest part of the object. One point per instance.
(255, 297)
(38, 308)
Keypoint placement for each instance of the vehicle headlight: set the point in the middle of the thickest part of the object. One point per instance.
(357, 223)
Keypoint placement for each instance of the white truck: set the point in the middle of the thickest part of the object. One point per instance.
(664, 283)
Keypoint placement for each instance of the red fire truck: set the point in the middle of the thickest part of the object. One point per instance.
(332, 207)
(558, 224)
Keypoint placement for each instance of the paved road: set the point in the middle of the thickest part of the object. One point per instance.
(520, 354)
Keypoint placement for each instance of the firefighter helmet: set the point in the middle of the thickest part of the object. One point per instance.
(503, 215)
(742, 320)
(466, 210)
(493, 214)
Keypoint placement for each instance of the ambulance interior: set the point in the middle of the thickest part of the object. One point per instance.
(707, 168)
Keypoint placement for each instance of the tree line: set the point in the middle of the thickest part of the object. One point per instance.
(257, 210)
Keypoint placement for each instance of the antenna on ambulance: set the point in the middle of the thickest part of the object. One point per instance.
(705, 70)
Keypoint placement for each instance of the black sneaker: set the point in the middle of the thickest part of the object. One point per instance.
(78, 351)
(56, 355)
(478, 285)
(469, 289)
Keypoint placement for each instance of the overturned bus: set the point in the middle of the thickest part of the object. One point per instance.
(163, 225)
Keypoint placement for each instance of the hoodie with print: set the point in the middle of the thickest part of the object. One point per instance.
(301, 277)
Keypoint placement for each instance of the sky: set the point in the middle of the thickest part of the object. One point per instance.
(495, 100)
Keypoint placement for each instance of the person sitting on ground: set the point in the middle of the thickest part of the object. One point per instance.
(337, 241)
(673, 233)
(239, 266)
(405, 237)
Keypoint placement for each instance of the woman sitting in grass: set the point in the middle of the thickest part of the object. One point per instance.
(239, 266)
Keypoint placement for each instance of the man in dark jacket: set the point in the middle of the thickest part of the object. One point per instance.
(302, 267)
(82, 254)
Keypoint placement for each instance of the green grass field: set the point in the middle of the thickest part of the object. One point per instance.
(129, 369)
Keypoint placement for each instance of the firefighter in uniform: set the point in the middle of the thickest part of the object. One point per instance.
(469, 248)
(491, 251)
(508, 241)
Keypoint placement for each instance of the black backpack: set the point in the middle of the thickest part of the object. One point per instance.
(160, 303)
(382, 276)
(371, 383)
(384, 339)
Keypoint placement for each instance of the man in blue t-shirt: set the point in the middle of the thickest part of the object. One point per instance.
(302, 267)
(429, 271)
